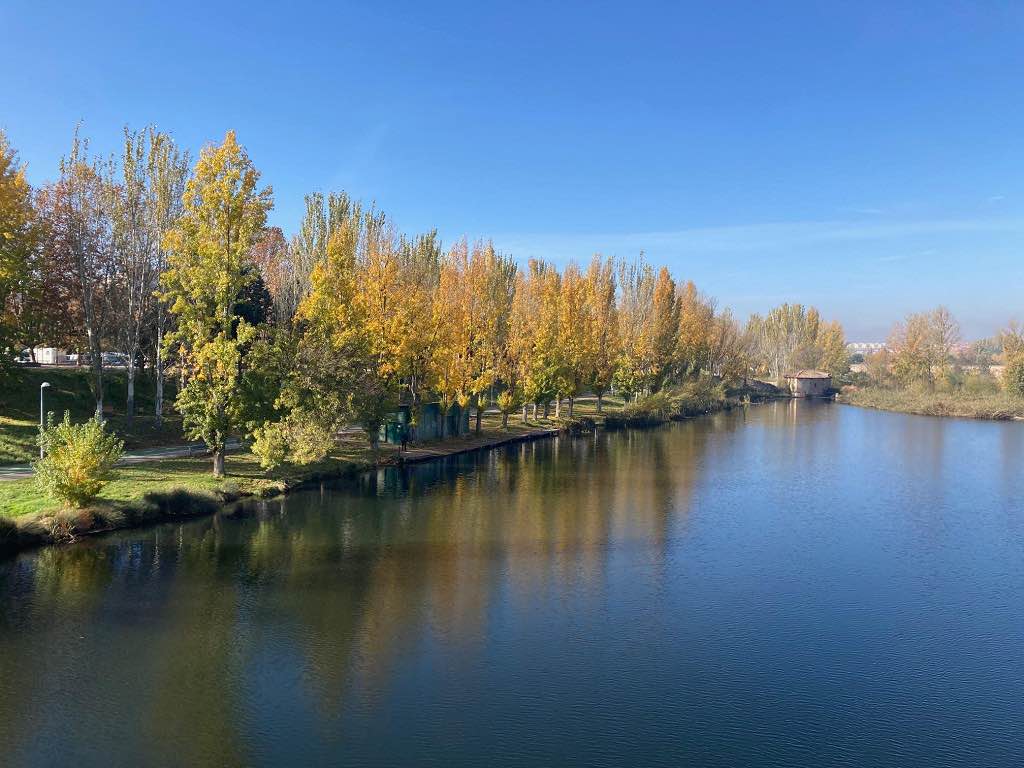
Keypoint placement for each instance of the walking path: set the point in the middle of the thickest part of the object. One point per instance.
(22, 471)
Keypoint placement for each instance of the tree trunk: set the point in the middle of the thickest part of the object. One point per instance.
(600, 402)
(159, 405)
(535, 411)
(444, 422)
(479, 414)
(547, 408)
(130, 406)
(218, 462)
(558, 407)
(571, 401)
(504, 419)
(97, 372)
(524, 414)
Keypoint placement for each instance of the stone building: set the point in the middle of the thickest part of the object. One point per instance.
(808, 383)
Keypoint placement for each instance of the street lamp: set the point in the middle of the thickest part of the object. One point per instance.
(42, 416)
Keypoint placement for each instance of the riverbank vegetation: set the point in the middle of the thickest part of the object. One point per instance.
(926, 370)
(169, 270)
(167, 489)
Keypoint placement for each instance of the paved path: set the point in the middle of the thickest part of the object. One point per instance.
(21, 471)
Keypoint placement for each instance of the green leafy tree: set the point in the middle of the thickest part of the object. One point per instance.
(78, 459)
(209, 271)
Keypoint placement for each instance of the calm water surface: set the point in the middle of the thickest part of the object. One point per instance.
(797, 585)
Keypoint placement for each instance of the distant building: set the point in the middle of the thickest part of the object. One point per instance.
(864, 347)
(51, 356)
(808, 383)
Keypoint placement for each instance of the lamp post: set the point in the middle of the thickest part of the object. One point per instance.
(42, 415)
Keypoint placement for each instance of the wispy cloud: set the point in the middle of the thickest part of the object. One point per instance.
(862, 211)
(777, 237)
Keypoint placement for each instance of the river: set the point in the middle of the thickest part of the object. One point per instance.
(794, 584)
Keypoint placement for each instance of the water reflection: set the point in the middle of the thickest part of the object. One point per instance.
(311, 622)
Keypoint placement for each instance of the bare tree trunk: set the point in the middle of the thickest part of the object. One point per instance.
(504, 419)
(130, 373)
(218, 462)
(558, 407)
(571, 401)
(479, 414)
(600, 402)
(524, 414)
(535, 411)
(547, 408)
(159, 404)
(96, 364)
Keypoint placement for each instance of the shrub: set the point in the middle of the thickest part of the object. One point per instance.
(701, 395)
(978, 383)
(577, 425)
(1013, 376)
(78, 459)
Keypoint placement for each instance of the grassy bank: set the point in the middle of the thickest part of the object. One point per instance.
(962, 404)
(695, 398)
(69, 391)
(166, 489)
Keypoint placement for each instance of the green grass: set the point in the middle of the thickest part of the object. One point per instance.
(69, 391)
(972, 405)
(134, 482)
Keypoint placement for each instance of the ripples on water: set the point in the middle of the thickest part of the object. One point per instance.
(798, 584)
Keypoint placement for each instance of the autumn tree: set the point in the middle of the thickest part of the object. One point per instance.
(167, 171)
(943, 336)
(633, 372)
(471, 308)
(76, 247)
(134, 200)
(696, 331)
(334, 379)
(604, 328)
(223, 215)
(664, 330)
(911, 356)
(575, 338)
(270, 254)
(379, 300)
(419, 268)
(786, 338)
(831, 354)
(17, 242)
(1011, 341)
(729, 352)
(922, 346)
(495, 277)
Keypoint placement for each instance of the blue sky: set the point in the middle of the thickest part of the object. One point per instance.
(864, 157)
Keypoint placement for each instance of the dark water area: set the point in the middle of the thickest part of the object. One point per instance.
(797, 584)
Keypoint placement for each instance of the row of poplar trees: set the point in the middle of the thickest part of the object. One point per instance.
(288, 341)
